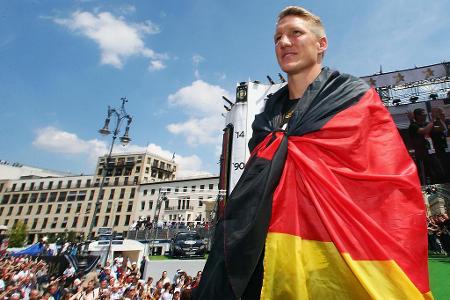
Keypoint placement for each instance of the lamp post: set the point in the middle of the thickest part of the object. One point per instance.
(120, 115)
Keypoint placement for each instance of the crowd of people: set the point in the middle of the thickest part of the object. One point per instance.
(439, 234)
(28, 278)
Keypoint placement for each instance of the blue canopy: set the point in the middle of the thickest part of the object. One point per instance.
(32, 250)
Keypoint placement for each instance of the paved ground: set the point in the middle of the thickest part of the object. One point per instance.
(190, 266)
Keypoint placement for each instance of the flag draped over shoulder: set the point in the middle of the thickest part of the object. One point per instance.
(331, 206)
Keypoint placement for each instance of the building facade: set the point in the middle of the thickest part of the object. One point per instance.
(51, 205)
(187, 201)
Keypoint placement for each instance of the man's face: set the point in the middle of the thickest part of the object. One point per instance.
(34, 295)
(297, 48)
(164, 274)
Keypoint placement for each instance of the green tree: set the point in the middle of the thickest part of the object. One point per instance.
(18, 234)
(71, 236)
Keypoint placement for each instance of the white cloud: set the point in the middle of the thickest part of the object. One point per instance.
(200, 98)
(156, 65)
(196, 60)
(203, 104)
(55, 140)
(199, 131)
(117, 39)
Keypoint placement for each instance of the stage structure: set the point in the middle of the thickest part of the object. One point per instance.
(401, 92)
(209, 197)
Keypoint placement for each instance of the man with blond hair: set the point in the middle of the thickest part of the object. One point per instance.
(329, 205)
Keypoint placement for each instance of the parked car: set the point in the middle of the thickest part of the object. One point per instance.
(187, 244)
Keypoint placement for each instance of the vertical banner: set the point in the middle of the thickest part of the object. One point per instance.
(250, 100)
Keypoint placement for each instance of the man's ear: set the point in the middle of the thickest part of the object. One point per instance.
(323, 44)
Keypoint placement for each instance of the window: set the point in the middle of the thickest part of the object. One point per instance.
(125, 181)
(34, 224)
(202, 187)
(145, 192)
(136, 180)
(108, 208)
(13, 187)
(52, 197)
(152, 191)
(74, 222)
(64, 222)
(10, 210)
(132, 192)
(62, 196)
(211, 186)
(59, 184)
(127, 220)
(130, 206)
(147, 170)
(15, 199)
(85, 221)
(138, 169)
(88, 207)
(39, 209)
(160, 175)
(5, 199)
(116, 181)
(150, 205)
(101, 194)
(105, 221)
(31, 186)
(41, 185)
(88, 183)
(111, 194)
(116, 221)
(118, 172)
(142, 205)
(78, 183)
(166, 204)
(22, 187)
(128, 171)
(19, 211)
(33, 198)
(50, 185)
(53, 225)
(69, 184)
(68, 208)
(78, 208)
(30, 208)
(184, 188)
(122, 193)
(95, 220)
(193, 188)
(72, 196)
(1, 210)
(81, 195)
(119, 207)
(24, 198)
(200, 201)
(44, 223)
(100, 172)
(91, 196)
(58, 208)
(43, 197)
(154, 173)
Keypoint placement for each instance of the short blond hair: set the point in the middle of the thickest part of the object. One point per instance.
(315, 22)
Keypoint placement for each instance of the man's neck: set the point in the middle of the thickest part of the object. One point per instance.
(299, 82)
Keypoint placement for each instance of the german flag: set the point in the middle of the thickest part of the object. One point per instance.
(330, 208)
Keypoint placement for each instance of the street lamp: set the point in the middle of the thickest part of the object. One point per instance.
(120, 115)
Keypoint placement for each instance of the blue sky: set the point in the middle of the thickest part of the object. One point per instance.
(63, 62)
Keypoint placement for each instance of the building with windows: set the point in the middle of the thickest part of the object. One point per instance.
(187, 201)
(54, 204)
